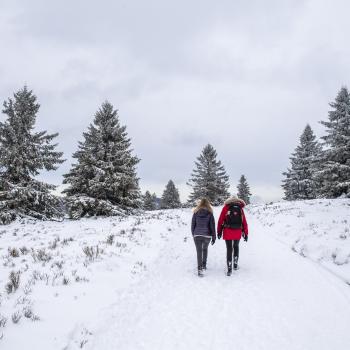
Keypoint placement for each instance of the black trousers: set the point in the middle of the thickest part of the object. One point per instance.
(202, 244)
(232, 246)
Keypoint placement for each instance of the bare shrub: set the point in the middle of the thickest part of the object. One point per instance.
(81, 279)
(16, 316)
(38, 276)
(91, 252)
(41, 255)
(55, 277)
(110, 239)
(53, 244)
(65, 280)
(22, 300)
(24, 250)
(13, 284)
(138, 267)
(14, 252)
(59, 264)
(35, 318)
(3, 321)
(67, 240)
(120, 245)
(27, 289)
(28, 312)
(137, 222)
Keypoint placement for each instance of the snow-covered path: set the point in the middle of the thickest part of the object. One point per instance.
(277, 300)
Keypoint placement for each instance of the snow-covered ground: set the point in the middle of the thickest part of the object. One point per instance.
(139, 289)
(316, 229)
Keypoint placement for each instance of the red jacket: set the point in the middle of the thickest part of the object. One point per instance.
(232, 233)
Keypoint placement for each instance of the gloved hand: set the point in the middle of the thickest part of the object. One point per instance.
(219, 235)
(245, 237)
(212, 241)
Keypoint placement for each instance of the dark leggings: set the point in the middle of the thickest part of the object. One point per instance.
(232, 245)
(202, 244)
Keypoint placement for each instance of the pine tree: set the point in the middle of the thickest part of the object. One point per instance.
(209, 179)
(149, 201)
(23, 154)
(300, 182)
(170, 198)
(103, 181)
(243, 190)
(156, 201)
(333, 174)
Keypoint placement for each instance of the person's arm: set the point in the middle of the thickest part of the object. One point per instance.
(193, 225)
(245, 224)
(212, 227)
(221, 220)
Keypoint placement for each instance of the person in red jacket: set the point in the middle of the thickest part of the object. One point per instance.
(232, 225)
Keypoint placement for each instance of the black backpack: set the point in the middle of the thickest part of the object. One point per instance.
(233, 217)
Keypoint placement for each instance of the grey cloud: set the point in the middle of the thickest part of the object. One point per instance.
(245, 76)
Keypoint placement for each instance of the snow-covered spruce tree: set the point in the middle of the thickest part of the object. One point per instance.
(243, 189)
(103, 181)
(156, 201)
(23, 153)
(333, 175)
(208, 179)
(170, 198)
(299, 182)
(149, 201)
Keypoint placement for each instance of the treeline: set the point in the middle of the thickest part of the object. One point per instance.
(321, 168)
(103, 178)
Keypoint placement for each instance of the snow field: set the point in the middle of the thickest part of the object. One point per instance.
(91, 281)
(142, 292)
(316, 229)
(276, 300)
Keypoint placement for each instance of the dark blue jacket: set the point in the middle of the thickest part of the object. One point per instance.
(203, 224)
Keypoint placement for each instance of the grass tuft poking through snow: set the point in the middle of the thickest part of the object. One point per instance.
(14, 280)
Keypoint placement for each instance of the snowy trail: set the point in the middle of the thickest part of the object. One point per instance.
(277, 300)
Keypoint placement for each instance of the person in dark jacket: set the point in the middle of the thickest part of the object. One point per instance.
(203, 231)
(232, 232)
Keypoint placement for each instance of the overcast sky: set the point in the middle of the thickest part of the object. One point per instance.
(245, 76)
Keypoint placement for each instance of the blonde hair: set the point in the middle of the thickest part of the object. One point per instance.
(203, 204)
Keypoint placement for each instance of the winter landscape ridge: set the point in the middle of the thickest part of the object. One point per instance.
(130, 282)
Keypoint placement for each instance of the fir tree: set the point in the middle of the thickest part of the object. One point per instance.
(149, 201)
(209, 179)
(333, 174)
(170, 198)
(103, 181)
(23, 154)
(299, 182)
(243, 190)
(156, 201)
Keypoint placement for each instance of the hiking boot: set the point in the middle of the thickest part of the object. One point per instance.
(200, 272)
(204, 266)
(229, 268)
(235, 263)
